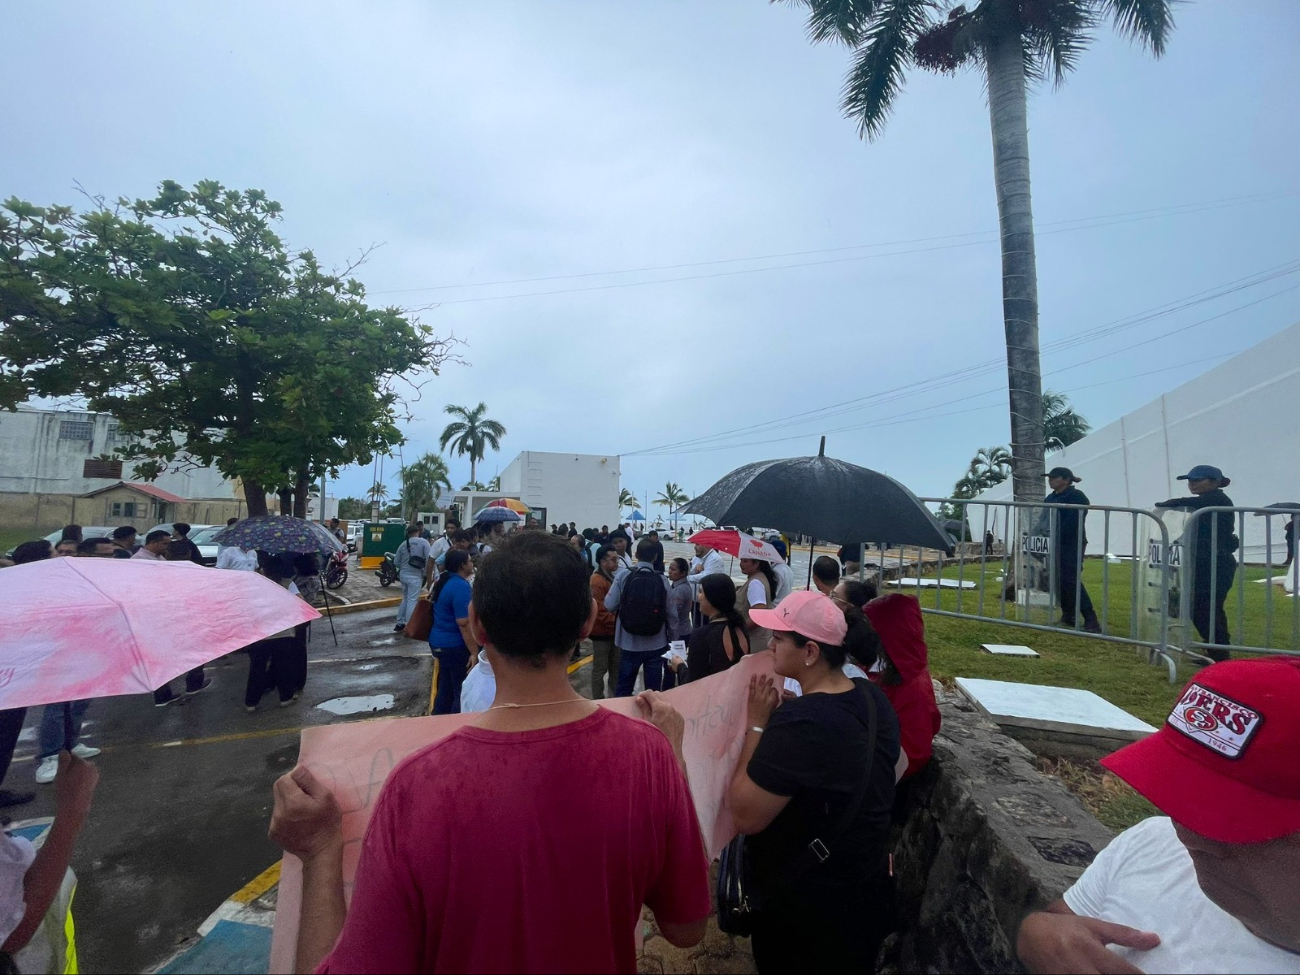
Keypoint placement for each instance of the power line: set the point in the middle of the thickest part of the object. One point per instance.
(986, 235)
(934, 383)
(899, 418)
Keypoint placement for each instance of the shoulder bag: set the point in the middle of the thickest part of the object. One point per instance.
(738, 900)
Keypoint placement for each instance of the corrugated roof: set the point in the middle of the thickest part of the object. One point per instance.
(150, 489)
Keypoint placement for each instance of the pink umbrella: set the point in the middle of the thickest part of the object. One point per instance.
(73, 628)
(736, 543)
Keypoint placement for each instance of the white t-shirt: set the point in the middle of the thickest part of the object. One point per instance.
(234, 557)
(755, 593)
(480, 687)
(1146, 879)
(16, 856)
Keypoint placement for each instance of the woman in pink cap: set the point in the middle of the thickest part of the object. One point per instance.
(812, 791)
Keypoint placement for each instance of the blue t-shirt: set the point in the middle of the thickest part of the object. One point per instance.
(452, 605)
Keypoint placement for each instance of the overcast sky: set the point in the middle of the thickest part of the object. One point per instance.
(493, 142)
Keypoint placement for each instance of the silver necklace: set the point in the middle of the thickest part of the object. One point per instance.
(542, 704)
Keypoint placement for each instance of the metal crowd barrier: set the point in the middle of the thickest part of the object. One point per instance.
(1213, 582)
(1023, 563)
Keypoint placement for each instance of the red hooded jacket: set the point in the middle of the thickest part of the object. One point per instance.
(897, 618)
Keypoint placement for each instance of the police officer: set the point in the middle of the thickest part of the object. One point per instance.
(1213, 563)
(1068, 544)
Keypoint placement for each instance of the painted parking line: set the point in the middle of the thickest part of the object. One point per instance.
(579, 663)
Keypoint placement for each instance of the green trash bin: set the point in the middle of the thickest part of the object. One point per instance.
(378, 538)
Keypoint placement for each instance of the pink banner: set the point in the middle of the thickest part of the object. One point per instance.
(355, 760)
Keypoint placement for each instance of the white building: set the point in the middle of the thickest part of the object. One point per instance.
(46, 452)
(1242, 416)
(582, 488)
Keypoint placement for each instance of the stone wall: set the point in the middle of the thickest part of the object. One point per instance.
(987, 838)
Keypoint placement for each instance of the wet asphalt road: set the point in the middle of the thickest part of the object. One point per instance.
(184, 798)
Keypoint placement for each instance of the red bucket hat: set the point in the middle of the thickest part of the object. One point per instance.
(1225, 763)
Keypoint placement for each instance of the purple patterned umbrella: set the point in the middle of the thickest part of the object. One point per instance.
(280, 533)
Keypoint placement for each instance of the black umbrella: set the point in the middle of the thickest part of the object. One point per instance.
(1280, 508)
(824, 498)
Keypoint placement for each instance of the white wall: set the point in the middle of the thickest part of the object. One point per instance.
(34, 458)
(582, 488)
(1242, 416)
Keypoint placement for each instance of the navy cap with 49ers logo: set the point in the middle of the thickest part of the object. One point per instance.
(1226, 764)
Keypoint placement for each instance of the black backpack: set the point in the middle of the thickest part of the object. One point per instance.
(643, 607)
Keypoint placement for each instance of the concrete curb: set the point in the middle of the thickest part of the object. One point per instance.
(236, 937)
(386, 603)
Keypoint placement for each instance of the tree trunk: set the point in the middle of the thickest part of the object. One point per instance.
(286, 500)
(1008, 114)
(255, 498)
(301, 489)
(473, 468)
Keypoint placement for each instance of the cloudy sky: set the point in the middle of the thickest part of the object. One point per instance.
(652, 228)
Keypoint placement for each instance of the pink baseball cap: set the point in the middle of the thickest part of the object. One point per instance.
(807, 613)
(1224, 764)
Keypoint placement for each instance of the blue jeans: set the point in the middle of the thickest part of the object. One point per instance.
(58, 721)
(630, 661)
(453, 665)
(412, 581)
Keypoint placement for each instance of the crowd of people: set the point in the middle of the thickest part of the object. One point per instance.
(829, 748)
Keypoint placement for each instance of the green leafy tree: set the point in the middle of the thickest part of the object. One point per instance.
(495, 483)
(1013, 43)
(471, 433)
(353, 509)
(1062, 426)
(187, 318)
(474, 486)
(421, 481)
(626, 499)
(672, 497)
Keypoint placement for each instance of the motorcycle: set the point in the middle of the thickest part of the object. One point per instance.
(336, 570)
(387, 570)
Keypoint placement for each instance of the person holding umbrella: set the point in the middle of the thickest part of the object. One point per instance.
(1213, 564)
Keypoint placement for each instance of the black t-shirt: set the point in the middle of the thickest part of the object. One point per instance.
(814, 750)
(706, 653)
(659, 558)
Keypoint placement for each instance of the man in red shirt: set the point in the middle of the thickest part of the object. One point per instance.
(472, 862)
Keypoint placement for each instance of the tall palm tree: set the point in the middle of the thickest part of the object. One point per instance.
(672, 497)
(421, 480)
(990, 466)
(495, 483)
(378, 491)
(626, 499)
(472, 433)
(1013, 42)
(1062, 426)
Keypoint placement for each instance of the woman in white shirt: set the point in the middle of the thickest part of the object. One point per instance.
(756, 593)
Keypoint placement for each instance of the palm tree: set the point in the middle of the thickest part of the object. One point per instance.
(421, 481)
(1014, 42)
(378, 492)
(626, 499)
(471, 434)
(672, 497)
(474, 486)
(1061, 425)
(990, 466)
(495, 483)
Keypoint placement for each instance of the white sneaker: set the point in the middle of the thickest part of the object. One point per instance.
(86, 751)
(47, 770)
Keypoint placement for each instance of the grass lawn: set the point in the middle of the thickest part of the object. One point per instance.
(9, 537)
(1120, 674)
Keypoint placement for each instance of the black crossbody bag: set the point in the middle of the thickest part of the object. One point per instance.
(738, 900)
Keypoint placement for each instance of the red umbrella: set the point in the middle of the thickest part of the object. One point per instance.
(736, 543)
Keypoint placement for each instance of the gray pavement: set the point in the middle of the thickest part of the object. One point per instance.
(184, 799)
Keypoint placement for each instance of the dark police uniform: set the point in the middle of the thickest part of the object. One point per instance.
(1068, 546)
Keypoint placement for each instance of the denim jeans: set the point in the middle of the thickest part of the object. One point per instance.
(630, 661)
(453, 665)
(412, 581)
(57, 723)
